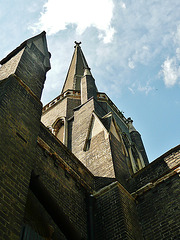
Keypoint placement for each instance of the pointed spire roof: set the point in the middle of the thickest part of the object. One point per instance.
(76, 70)
(40, 42)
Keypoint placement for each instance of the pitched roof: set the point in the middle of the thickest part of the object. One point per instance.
(29, 41)
(76, 70)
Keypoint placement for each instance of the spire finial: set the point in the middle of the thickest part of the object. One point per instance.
(130, 125)
(129, 120)
(77, 44)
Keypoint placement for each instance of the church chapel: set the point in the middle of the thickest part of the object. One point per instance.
(77, 168)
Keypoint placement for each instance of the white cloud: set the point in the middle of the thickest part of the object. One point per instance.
(145, 32)
(146, 48)
(123, 5)
(131, 64)
(141, 87)
(108, 35)
(170, 71)
(141, 55)
(177, 42)
(177, 35)
(170, 68)
(131, 90)
(32, 7)
(145, 89)
(58, 14)
(178, 53)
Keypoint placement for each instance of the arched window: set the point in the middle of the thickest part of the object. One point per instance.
(136, 159)
(135, 156)
(58, 129)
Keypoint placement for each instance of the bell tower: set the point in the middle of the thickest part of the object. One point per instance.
(93, 128)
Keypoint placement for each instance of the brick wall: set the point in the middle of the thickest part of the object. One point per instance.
(63, 108)
(51, 115)
(37, 218)
(31, 69)
(116, 214)
(65, 179)
(156, 169)
(71, 104)
(10, 67)
(159, 210)
(82, 118)
(156, 188)
(70, 159)
(19, 117)
(98, 158)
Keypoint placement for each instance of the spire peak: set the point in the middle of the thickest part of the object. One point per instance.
(77, 44)
(76, 69)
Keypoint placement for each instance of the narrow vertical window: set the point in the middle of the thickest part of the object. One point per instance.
(88, 140)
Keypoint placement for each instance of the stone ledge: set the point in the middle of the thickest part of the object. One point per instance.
(59, 162)
(149, 186)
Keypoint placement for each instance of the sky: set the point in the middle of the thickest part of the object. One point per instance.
(132, 48)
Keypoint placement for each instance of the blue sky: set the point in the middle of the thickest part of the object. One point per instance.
(132, 47)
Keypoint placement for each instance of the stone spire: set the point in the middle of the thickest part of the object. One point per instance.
(136, 138)
(76, 70)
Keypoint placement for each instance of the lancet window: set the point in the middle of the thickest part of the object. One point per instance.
(59, 129)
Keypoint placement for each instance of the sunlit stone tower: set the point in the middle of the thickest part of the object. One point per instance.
(92, 127)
